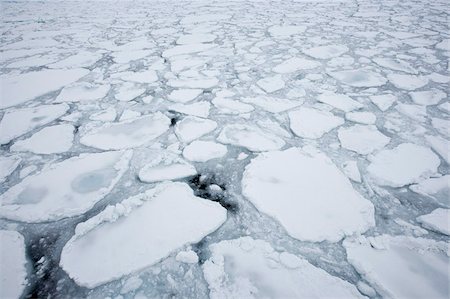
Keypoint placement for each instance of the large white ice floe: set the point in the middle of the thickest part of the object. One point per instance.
(195, 38)
(166, 166)
(401, 267)
(288, 186)
(312, 123)
(427, 97)
(383, 101)
(200, 109)
(285, 31)
(229, 106)
(437, 188)
(396, 65)
(49, 140)
(82, 91)
(64, 189)
(251, 137)
(362, 139)
(326, 52)
(249, 268)
(18, 122)
(191, 128)
(394, 167)
(184, 95)
(187, 49)
(437, 220)
(170, 215)
(20, 88)
(440, 145)
(7, 166)
(339, 101)
(127, 134)
(295, 64)
(359, 78)
(202, 151)
(13, 264)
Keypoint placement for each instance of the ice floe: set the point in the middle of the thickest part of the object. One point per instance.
(363, 117)
(82, 91)
(383, 101)
(249, 268)
(127, 134)
(295, 64)
(312, 123)
(362, 139)
(339, 101)
(17, 122)
(287, 184)
(391, 265)
(272, 104)
(326, 52)
(437, 220)
(437, 188)
(191, 128)
(393, 167)
(202, 151)
(172, 217)
(407, 82)
(7, 166)
(359, 78)
(13, 262)
(65, 189)
(166, 166)
(271, 84)
(427, 97)
(184, 95)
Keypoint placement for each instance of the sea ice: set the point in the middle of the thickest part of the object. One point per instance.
(65, 189)
(363, 117)
(166, 166)
(312, 123)
(202, 151)
(249, 268)
(326, 52)
(401, 267)
(362, 139)
(339, 101)
(359, 78)
(13, 261)
(287, 185)
(383, 101)
(393, 167)
(172, 217)
(408, 82)
(184, 95)
(128, 134)
(296, 64)
(49, 140)
(272, 104)
(437, 188)
(271, 84)
(438, 221)
(7, 166)
(82, 91)
(191, 128)
(427, 97)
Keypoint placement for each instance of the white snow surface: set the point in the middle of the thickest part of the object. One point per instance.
(172, 217)
(312, 123)
(437, 220)
(286, 186)
(13, 263)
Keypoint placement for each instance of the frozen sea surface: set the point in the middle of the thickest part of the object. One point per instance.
(224, 149)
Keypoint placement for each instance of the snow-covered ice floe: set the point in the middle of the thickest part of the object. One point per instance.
(400, 266)
(286, 185)
(65, 189)
(113, 243)
(249, 268)
(13, 263)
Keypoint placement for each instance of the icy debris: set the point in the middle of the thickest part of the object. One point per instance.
(272, 104)
(20, 121)
(394, 167)
(82, 91)
(13, 262)
(131, 284)
(359, 78)
(408, 82)
(127, 134)
(172, 217)
(326, 52)
(65, 189)
(287, 185)
(106, 115)
(367, 118)
(312, 123)
(7, 166)
(200, 109)
(296, 64)
(184, 95)
(438, 221)
(20, 88)
(286, 31)
(251, 137)
(128, 92)
(229, 106)
(391, 265)
(396, 65)
(191, 128)
(383, 101)
(188, 257)
(339, 101)
(166, 166)
(362, 139)
(437, 188)
(440, 146)
(249, 268)
(49, 140)
(271, 84)
(351, 170)
(195, 38)
(202, 151)
(427, 97)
